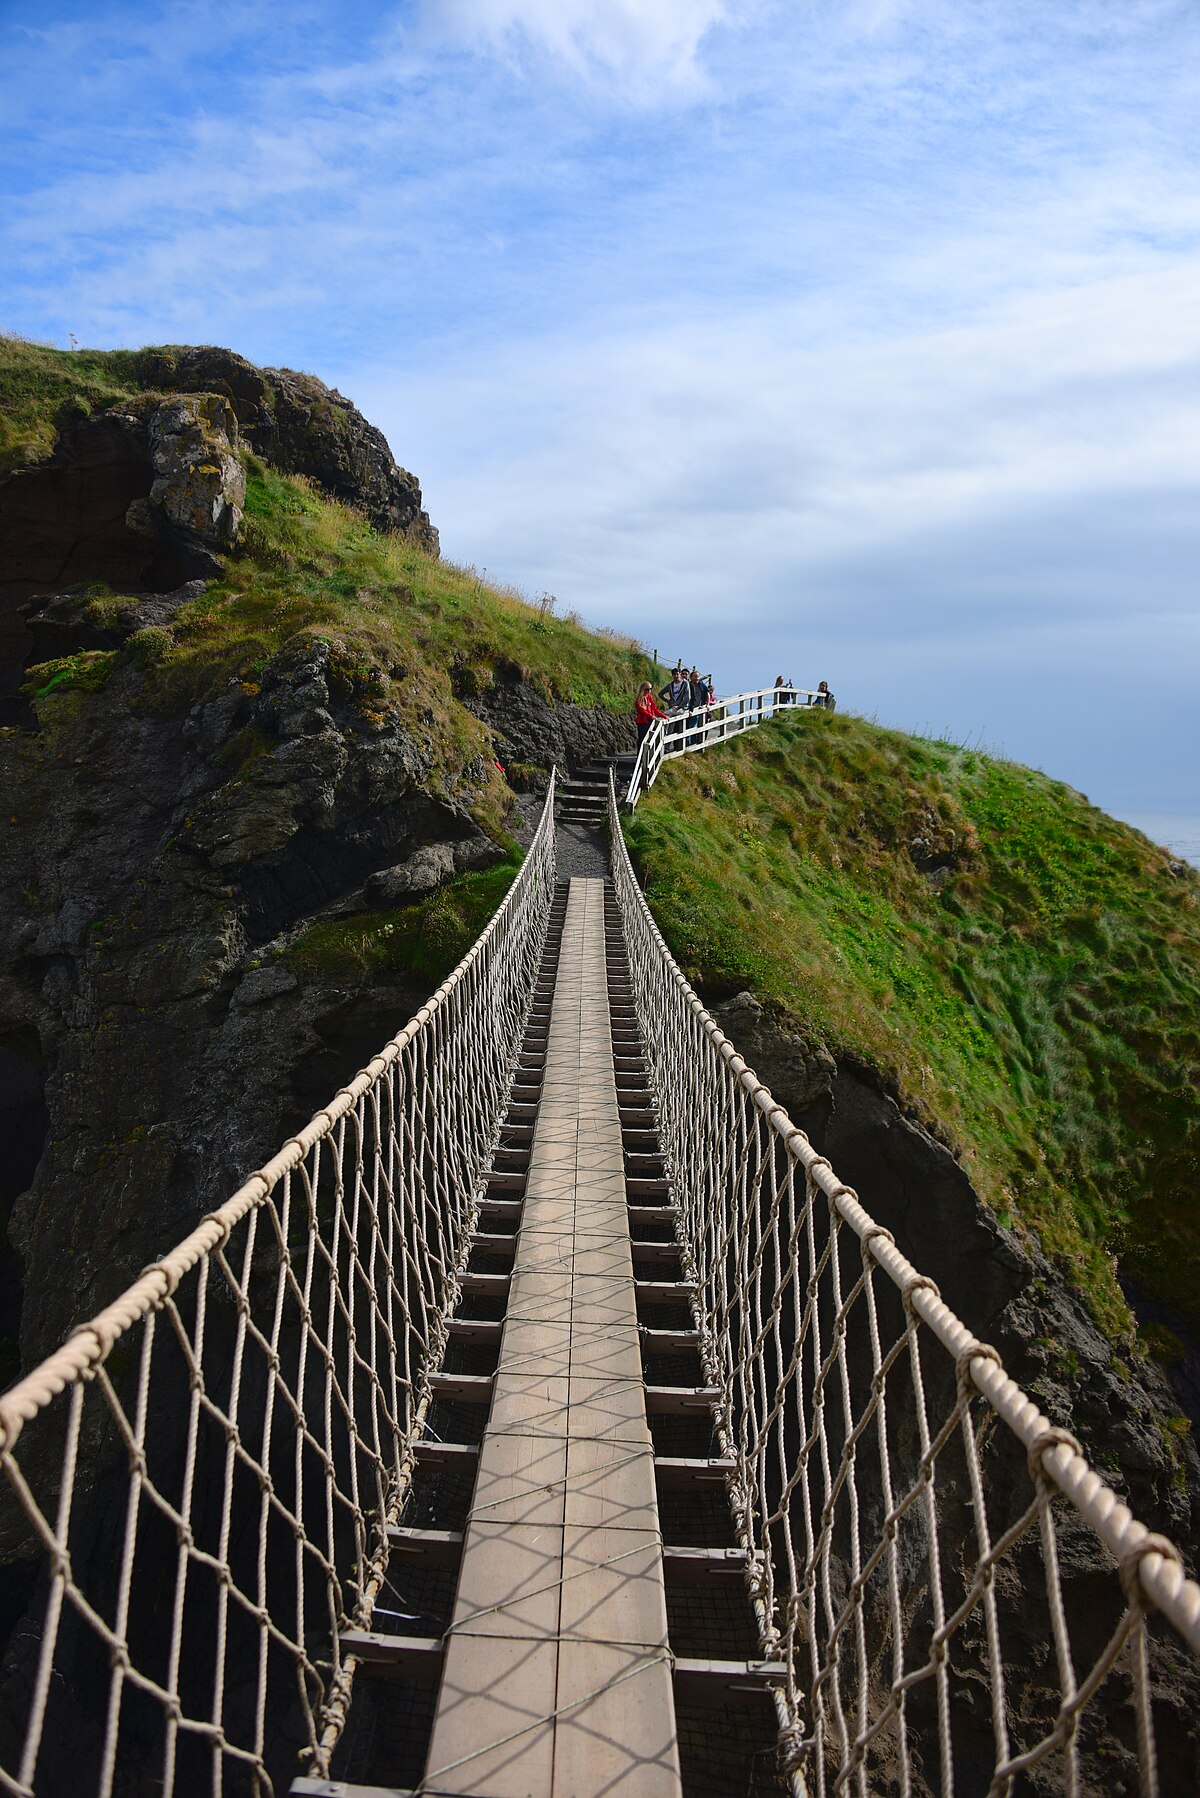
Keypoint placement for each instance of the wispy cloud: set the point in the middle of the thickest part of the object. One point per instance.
(862, 331)
(642, 49)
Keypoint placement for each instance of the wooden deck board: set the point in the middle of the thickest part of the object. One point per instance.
(557, 1679)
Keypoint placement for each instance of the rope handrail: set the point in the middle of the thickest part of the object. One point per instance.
(248, 1409)
(884, 1517)
(685, 732)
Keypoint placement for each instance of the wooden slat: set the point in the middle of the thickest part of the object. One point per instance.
(655, 1251)
(653, 1214)
(678, 1473)
(727, 1682)
(448, 1457)
(664, 1292)
(695, 1566)
(338, 1788)
(404, 1657)
(499, 1207)
(669, 1342)
(474, 1329)
(433, 1548)
(665, 1401)
(491, 1285)
(466, 1388)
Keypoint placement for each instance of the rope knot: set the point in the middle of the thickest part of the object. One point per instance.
(918, 1283)
(95, 1342)
(222, 1226)
(1052, 1437)
(1132, 1559)
(875, 1233)
(962, 1366)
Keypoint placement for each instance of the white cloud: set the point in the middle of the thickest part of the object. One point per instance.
(639, 47)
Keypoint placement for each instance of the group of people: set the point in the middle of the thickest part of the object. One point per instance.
(786, 694)
(686, 691)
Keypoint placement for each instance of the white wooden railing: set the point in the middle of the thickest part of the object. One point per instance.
(682, 733)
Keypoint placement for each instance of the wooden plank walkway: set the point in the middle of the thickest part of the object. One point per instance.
(557, 1679)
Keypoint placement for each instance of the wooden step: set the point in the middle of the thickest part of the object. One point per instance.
(486, 1285)
(727, 1682)
(658, 1292)
(338, 1788)
(652, 1251)
(432, 1548)
(499, 1208)
(669, 1342)
(669, 1401)
(463, 1388)
(447, 1457)
(474, 1329)
(403, 1657)
(684, 1473)
(696, 1566)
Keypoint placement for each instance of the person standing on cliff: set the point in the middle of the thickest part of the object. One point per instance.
(678, 692)
(646, 710)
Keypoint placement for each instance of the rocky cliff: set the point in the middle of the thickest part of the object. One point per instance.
(254, 721)
(143, 487)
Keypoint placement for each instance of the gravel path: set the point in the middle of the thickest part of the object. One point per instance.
(581, 850)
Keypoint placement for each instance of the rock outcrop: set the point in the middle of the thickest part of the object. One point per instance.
(531, 731)
(298, 425)
(149, 495)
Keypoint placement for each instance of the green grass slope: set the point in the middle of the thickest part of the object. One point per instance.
(39, 385)
(1024, 970)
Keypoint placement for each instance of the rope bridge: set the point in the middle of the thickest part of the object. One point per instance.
(200, 1484)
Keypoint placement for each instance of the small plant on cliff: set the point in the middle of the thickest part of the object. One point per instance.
(84, 672)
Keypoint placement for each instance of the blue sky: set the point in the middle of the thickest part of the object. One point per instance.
(857, 340)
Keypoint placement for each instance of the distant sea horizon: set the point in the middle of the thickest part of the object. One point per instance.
(1177, 831)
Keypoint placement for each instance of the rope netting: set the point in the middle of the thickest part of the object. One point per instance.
(956, 1599)
(200, 1481)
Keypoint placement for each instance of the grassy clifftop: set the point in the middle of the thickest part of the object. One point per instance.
(1022, 968)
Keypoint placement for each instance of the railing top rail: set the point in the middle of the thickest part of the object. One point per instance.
(91, 1342)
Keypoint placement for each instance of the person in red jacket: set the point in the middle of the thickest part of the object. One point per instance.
(646, 710)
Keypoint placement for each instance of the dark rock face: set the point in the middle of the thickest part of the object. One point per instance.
(532, 731)
(299, 425)
(132, 501)
(65, 520)
(146, 863)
